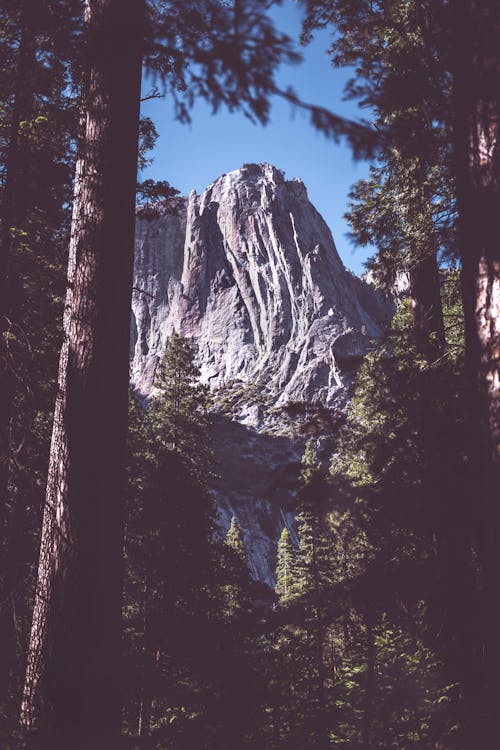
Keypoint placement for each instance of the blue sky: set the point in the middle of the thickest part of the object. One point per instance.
(192, 156)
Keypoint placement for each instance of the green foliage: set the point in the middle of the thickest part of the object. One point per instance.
(314, 567)
(154, 190)
(401, 465)
(362, 662)
(235, 541)
(235, 588)
(178, 414)
(169, 549)
(286, 567)
(194, 666)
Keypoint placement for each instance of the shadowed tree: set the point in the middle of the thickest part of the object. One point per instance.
(476, 71)
(71, 696)
(34, 182)
(452, 85)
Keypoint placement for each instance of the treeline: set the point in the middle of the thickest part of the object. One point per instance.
(364, 642)
(385, 633)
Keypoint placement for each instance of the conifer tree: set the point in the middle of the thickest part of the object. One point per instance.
(178, 414)
(71, 691)
(313, 558)
(234, 540)
(286, 567)
(236, 581)
(302, 649)
(170, 532)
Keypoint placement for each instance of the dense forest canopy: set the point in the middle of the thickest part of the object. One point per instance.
(126, 619)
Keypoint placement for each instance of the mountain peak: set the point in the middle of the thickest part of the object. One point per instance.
(249, 271)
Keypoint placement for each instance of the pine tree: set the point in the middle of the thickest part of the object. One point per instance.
(170, 527)
(286, 567)
(235, 574)
(235, 541)
(476, 70)
(72, 692)
(313, 558)
(431, 74)
(302, 650)
(178, 414)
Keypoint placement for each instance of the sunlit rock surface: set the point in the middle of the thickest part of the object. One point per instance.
(249, 271)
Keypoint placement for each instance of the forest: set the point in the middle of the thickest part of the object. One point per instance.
(127, 620)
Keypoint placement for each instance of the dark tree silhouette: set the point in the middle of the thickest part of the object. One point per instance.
(476, 61)
(71, 696)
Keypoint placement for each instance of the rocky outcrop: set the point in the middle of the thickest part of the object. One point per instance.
(249, 271)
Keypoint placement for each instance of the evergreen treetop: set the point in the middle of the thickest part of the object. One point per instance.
(234, 539)
(286, 567)
(178, 413)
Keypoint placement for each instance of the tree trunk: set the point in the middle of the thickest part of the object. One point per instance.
(426, 307)
(151, 657)
(425, 286)
(477, 161)
(71, 694)
(369, 696)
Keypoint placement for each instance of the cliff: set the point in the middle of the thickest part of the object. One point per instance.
(249, 271)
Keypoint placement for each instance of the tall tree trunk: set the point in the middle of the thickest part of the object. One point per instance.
(446, 494)
(477, 160)
(369, 696)
(425, 286)
(71, 694)
(427, 310)
(151, 657)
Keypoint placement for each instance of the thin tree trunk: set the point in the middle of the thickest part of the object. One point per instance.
(71, 694)
(426, 307)
(476, 42)
(425, 286)
(369, 695)
(151, 657)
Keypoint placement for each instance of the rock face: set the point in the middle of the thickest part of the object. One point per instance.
(249, 271)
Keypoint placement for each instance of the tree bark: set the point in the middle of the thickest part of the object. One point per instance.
(426, 305)
(425, 286)
(476, 42)
(71, 695)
